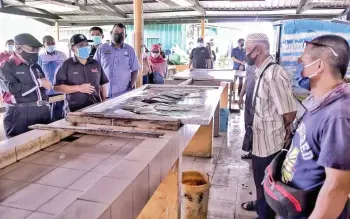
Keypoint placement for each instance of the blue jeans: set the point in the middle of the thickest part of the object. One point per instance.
(158, 78)
(145, 79)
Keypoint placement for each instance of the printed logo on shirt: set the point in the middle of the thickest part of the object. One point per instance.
(75, 73)
(20, 73)
(94, 70)
(202, 50)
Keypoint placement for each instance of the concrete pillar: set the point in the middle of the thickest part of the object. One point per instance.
(57, 31)
(203, 27)
(138, 25)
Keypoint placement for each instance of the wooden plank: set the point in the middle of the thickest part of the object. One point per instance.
(104, 131)
(125, 122)
(224, 95)
(201, 144)
(187, 82)
(165, 202)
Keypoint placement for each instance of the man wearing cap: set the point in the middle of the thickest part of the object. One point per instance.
(49, 60)
(119, 61)
(9, 46)
(274, 112)
(200, 56)
(25, 87)
(80, 77)
(96, 35)
(237, 56)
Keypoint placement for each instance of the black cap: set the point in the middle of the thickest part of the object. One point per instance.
(78, 38)
(200, 40)
(27, 39)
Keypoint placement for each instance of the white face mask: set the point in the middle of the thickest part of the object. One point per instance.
(313, 75)
(155, 55)
(200, 44)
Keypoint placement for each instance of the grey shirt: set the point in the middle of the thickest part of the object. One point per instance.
(199, 57)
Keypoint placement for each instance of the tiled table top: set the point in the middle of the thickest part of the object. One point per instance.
(91, 177)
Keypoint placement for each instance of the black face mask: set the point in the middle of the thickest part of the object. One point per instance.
(118, 38)
(242, 45)
(249, 60)
(31, 58)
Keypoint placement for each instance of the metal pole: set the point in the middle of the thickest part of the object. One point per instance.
(138, 24)
(203, 27)
(57, 31)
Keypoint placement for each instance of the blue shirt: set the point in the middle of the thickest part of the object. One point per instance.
(238, 54)
(322, 140)
(117, 63)
(49, 64)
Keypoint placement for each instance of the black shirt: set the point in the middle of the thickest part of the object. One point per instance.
(199, 57)
(72, 72)
(16, 79)
(93, 51)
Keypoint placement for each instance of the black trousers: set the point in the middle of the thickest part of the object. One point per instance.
(240, 84)
(17, 119)
(57, 110)
(259, 165)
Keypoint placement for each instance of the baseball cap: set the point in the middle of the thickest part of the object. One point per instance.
(78, 38)
(200, 40)
(27, 39)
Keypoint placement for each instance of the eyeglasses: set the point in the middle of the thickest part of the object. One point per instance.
(321, 45)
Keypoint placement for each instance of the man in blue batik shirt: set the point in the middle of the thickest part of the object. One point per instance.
(319, 155)
(119, 62)
(49, 60)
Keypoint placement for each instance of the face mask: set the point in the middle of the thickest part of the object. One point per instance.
(249, 60)
(242, 45)
(97, 40)
(31, 58)
(304, 82)
(84, 52)
(50, 49)
(9, 48)
(155, 55)
(118, 38)
(200, 44)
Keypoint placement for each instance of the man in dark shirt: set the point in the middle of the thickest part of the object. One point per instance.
(96, 34)
(24, 85)
(318, 159)
(80, 77)
(200, 56)
(238, 55)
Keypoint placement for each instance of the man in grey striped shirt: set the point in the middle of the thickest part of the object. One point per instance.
(274, 112)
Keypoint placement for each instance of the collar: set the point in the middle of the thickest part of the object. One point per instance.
(76, 61)
(263, 66)
(16, 60)
(313, 105)
(121, 46)
(53, 53)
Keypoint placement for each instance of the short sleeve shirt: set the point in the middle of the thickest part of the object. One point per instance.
(117, 63)
(199, 57)
(72, 72)
(238, 54)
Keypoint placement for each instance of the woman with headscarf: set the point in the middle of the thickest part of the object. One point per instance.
(158, 65)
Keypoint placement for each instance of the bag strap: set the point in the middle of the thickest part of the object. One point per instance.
(258, 85)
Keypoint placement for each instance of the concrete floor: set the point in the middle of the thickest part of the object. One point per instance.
(232, 178)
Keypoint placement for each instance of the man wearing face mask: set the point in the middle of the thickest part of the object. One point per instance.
(9, 47)
(25, 86)
(320, 146)
(49, 60)
(119, 61)
(200, 56)
(237, 56)
(96, 34)
(81, 78)
(274, 110)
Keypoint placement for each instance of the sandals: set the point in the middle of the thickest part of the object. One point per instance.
(246, 156)
(249, 206)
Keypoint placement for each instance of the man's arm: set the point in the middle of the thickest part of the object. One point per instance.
(233, 56)
(133, 79)
(104, 92)
(191, 59)
(208, 63)
(333, 195)
(242, 94)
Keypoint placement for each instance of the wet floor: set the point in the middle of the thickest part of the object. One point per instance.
(231, 178)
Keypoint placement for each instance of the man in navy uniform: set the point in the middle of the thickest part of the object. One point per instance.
(25, 87)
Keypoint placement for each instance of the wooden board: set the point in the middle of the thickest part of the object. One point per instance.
(227, 75)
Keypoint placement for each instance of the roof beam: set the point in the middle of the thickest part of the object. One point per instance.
(198, 7)
(113, 8)
(17, 11)
(44, 21)
(304, 5)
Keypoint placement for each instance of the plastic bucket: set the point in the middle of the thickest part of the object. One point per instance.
(224, 114)
(194, 195)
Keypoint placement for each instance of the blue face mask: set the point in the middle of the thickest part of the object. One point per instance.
(50, 49)
(84, 52)
(97, 40)
(9, 48)
(304, 82)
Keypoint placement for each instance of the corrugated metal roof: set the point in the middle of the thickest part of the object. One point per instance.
(154, 10)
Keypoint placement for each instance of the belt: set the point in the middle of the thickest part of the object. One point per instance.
(38, 103)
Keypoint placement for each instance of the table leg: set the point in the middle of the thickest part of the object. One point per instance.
(165, 202)
(225, 95)
(201, 144)
(217, 121)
